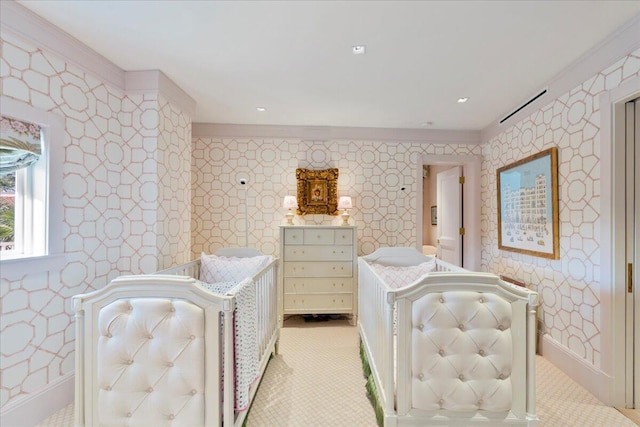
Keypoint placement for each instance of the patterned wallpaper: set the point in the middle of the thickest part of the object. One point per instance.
(372, 173)
(570, 286)
(112, 189)
(174, 195)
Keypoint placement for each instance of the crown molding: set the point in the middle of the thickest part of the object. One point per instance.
(31, 27)
(156, 81)
(320, 133)
(620, 43)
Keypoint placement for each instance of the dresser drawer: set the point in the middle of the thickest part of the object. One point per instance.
(307, 285)
(326, 303)
(318, 269)
(293, 237)
(321, 236)
(318, 253)
(342, 237)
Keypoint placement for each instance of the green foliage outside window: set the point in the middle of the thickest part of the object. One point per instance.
(7, 208)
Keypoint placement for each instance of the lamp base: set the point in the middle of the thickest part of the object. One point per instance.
(345, 217)
(289, 216)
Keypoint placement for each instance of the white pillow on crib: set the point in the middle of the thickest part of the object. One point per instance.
(397, 277)
(215, 268)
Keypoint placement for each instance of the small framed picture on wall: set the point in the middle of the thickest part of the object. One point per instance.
(434, 215)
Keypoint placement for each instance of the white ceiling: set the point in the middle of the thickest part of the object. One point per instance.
(294, 58)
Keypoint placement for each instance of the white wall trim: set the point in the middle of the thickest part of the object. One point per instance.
(470, 198)
(29, 26)
(612, 280)
(576, 368)
(319, 133)
(37, 406)
(620, 43)
(157, 81)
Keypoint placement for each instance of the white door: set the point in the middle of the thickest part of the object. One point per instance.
(449, 202)
(632, 155)
(632, 253)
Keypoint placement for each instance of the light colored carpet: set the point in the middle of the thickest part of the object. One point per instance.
(316, 380)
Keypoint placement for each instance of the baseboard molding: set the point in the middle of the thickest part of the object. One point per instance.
(588, 376)
(35, 407)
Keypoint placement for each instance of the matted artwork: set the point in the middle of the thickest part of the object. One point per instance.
(528, 220)
(317, 191)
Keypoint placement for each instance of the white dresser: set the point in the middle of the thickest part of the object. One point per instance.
(318, 271)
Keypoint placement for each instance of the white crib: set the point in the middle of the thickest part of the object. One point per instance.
(158, 349)
(463, 350)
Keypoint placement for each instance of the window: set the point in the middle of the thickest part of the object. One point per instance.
(30, 189)
(23, 175)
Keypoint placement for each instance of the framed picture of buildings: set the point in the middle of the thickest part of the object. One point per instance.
(528, 205)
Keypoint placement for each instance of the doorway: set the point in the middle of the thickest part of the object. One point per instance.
(470, 200)
(620, 248)
(632, 251)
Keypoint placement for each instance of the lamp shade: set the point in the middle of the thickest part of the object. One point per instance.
(345, 203)
(290, 202)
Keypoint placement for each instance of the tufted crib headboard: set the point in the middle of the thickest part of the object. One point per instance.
(463, 346)
(449, 348)
(147, 343)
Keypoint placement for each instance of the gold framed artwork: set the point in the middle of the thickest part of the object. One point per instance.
(317, 191)
(528, 219)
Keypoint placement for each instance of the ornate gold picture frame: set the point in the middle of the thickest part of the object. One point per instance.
(528, 220)
(317, 191)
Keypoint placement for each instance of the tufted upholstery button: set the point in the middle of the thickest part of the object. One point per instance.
(108, 388)
(171, 416)
(461, 377)
(170, 364)
(194, 392)
(192, 337)
(421, 326)
(172, 309)
(129, 362)
(441, 352)
(480, 402)
(150, 389)
(420, 377)
(129, 414)
(501, 327)
(130, 308)
(109, 335)
(461, 327)
(500, 377)
(441, 300)
(481, 353)
(441, 401)
(481, 299)
(150, 336)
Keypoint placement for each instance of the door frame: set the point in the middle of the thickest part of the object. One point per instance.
(612, 215)
(471, 201)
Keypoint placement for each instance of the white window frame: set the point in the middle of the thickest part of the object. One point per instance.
(41, 247)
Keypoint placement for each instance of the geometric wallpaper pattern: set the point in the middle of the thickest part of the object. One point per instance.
(569, 287)
(136, 186)
(372, 173)
(113, 188)
(174, 186)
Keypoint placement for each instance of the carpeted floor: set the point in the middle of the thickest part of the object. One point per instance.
(316, 380)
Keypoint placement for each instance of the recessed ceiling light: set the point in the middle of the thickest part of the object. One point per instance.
(462, 100)
(359, 50)
(261, 109)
